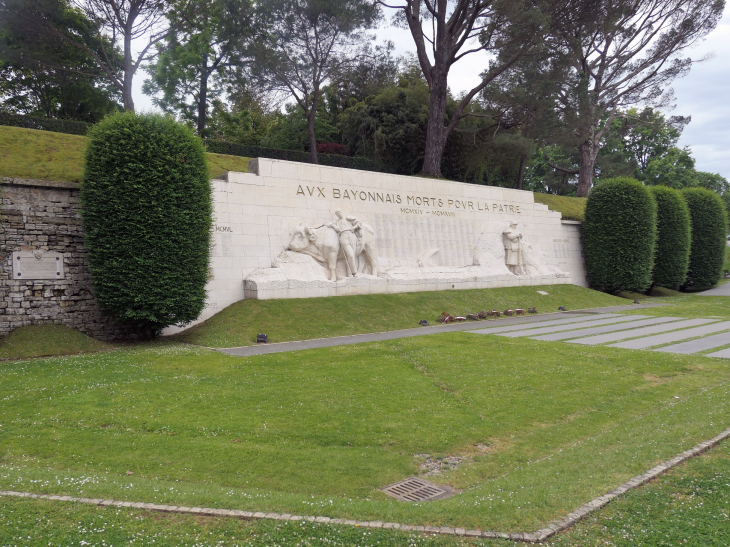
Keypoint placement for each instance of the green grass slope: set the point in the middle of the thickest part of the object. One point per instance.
(571, 208)
(44, 155)
(39, 341)
(687, 506)
(303, 319)
(537, 428)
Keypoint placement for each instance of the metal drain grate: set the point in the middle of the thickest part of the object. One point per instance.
(415, 489)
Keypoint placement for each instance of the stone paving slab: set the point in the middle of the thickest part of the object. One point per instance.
(615, 336)
(625, 322)
(725, 353)
(701, 344)
(667, 338)
(551, 323)
(590, 330)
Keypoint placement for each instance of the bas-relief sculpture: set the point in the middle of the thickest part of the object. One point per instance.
(342, 253)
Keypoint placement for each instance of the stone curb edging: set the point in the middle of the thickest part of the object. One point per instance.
(535, 537)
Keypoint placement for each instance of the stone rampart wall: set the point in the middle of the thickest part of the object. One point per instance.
(44, 216)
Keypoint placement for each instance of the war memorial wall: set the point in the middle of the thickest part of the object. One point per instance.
(296, 230)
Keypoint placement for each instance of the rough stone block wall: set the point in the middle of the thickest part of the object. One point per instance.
(45, 216)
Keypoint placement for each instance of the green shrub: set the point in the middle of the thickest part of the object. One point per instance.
(248, 151)
(709, 232)
(619, 235)
(146, 206)
(673, 237)
(71, 127)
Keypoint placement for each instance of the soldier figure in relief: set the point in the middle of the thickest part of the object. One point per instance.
(513, 249)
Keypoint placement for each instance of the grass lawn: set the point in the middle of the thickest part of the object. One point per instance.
(39, 341)
(687, 506)
(687, 305)
(303, 319)
(571, 208)
(44, 155)
(540, 427)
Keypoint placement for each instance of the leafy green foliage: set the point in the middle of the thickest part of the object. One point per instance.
(146, 207)
(70, 127)
(195, 60)
(390, 127)
(619, 235)
(41, 74)
(675, 169)
(673, 237)
(709, 231)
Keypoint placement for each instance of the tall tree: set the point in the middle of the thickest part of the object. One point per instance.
(119, 23)
(446, 31)
(210, 37)
(42, 75)
(623, 53)
(307, 42)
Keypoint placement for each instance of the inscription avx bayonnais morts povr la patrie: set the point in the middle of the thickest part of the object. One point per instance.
(407, 201)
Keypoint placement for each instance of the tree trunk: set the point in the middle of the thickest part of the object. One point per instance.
(203, 100)
(435, 130)
(128, 73)
(521, 175)
(585, 176)
(312, 137)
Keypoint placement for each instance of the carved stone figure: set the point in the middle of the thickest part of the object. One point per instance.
(345, 239)
(357, 239)
(323, 244)
(345, 228)
(513, 249)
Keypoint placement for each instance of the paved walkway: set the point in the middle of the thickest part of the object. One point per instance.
(720, 290)
(511, 322)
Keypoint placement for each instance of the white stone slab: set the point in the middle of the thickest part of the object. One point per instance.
(583, 331)
(649, 341)
(549, 323)
(700, 344)
(724, 353)
(39, 265)
(674, 324)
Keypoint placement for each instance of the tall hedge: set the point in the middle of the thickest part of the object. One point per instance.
(619, 235)
(146, 207)
(673, 237)
(709, 232)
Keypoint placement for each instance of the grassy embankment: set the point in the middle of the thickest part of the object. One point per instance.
(34, 154)
(40, 341)
(303, 319)
(687, 506)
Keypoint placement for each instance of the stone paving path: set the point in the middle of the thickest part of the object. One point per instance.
(510, 322)
(630, 331)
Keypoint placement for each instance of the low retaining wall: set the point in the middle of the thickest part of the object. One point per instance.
(43, 217)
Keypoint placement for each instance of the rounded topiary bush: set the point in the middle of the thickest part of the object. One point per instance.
(673, 237)
(619, 235)
(709, 232)
(146, 207)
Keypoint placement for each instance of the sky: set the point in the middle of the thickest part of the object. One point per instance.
(703, 94)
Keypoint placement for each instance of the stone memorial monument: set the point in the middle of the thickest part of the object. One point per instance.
(294, 230)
